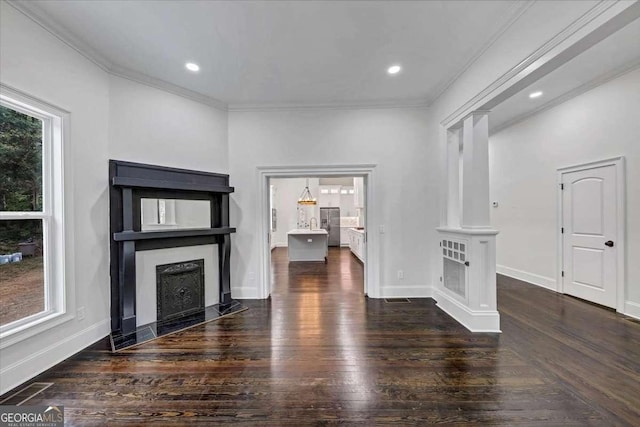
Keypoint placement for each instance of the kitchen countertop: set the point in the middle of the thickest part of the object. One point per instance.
(357, 231)
(307, 231)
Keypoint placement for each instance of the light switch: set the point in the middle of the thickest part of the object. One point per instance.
(309, 240)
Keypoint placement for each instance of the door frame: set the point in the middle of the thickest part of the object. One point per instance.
(619, 164)
(372, 255)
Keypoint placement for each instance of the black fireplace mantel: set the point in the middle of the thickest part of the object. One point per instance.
(129, 183)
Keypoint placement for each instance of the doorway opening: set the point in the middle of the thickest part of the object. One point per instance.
(315, 226)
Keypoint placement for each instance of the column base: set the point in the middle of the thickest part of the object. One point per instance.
(475, 321)
(467, 287)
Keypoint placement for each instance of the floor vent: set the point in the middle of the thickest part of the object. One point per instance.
(27, 393)
(397, 300)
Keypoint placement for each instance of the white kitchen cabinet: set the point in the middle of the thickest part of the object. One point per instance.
(345, 236)
(357, 243)
(358, 192)
(329, 196)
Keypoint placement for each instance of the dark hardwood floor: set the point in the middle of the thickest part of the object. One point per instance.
(320, 353)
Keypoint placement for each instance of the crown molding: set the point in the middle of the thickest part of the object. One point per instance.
(579, 90)
(34, 13)
(163, 85)
(605, 16)
(353, 105)
(518, 9)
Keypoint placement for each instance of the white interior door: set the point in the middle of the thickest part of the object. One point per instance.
(589, 240)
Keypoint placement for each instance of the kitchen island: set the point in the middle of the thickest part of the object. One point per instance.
(308, 245)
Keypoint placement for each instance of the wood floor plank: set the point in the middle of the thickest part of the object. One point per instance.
(318, 352)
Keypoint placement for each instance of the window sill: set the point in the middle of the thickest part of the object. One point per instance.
(37, 326)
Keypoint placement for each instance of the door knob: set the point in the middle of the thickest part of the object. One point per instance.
(609, 243)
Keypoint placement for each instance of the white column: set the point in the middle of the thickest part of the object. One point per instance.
(475, 178)
(470, 295)
(453, 177)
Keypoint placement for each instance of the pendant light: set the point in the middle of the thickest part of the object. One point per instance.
(306, 198)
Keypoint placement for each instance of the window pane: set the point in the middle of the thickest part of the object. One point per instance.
(21, 269)
(20, 161)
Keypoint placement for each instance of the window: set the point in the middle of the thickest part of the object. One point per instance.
(32, 289)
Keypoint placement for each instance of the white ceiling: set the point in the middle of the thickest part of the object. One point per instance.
(608, 59)
(284, 52)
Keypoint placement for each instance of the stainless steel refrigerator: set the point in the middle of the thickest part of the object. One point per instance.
(330, 221)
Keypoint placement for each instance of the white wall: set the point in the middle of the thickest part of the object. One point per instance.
(149, 125)
(288, 191)
(394, 139)
(110, 117)
(38, 64)
(596, 125)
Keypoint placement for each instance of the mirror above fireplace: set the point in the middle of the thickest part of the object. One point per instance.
(174, 214)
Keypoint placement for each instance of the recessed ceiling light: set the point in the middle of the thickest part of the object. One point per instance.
(192, 67)
(394, 69)
(535, 94)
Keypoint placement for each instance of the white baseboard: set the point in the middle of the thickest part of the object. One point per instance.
(632, 309)
(36, 363)
(244, 292)
(475, 321)
(535, 279)
(423, 291)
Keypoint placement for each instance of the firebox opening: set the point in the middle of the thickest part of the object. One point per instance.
(180, 289)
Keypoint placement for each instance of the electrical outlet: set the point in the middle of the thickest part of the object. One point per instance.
(381, 229)
(400, 274)
(80, 313)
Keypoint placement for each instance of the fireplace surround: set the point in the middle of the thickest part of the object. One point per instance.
(130, 183)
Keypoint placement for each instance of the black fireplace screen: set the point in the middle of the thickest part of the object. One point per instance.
(180, 289)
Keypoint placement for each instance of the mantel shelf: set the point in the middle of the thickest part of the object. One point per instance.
(120, 181)
(124, 236)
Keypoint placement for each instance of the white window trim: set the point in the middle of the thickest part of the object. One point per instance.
(57, 239)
